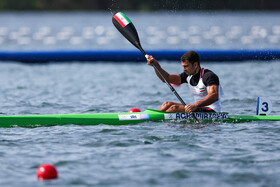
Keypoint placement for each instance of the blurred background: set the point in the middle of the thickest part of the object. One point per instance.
(38, 25)
(144, 5)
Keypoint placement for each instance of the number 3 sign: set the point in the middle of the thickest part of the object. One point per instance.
(264, 106)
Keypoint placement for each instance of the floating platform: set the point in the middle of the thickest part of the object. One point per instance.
(135, 55)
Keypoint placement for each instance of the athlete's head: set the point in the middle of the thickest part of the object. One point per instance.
(191, 62)
(191, 56)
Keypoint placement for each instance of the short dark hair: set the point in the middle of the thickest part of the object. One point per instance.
(191, 56)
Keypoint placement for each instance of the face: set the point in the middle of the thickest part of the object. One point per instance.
(190, 69)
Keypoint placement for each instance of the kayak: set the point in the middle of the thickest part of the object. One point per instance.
(125, 118)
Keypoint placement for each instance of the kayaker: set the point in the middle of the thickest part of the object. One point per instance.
(203, 83)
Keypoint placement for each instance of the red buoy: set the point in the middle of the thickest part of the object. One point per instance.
(46, 172)
(134, 110)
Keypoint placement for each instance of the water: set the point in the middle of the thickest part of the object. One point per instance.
(146, 154)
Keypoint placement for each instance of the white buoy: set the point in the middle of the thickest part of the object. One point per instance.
(220, 40)
(172, 40)
(50, 40)
(173, 30)
(24, 40)
(194, 30)
(215, 30)
(153, 40)
(44, 31)
(14, 35)
(88, 32)
(76, 40)
(276, 29)
(102, 40)
(247, 40)
(99, 30)
(195, 40)
(3, 31)
(24, 30)
(273, 39)
(151, 30)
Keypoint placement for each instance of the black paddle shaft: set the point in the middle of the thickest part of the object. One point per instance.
(130, 33)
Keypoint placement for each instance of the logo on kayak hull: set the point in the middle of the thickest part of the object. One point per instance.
(133, 116)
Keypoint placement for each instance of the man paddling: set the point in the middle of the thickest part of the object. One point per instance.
(203, 83)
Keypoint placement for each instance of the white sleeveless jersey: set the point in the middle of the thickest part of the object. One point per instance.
(200, 91)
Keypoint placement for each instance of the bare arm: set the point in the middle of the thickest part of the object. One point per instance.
(213, 96)
(172, 78)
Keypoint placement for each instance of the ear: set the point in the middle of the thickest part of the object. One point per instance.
(196, 64)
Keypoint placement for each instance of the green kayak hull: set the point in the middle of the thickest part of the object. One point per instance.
(124, 118)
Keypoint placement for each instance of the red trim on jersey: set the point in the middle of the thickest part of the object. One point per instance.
(201, 73)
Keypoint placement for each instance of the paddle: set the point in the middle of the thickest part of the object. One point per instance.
(127, 29)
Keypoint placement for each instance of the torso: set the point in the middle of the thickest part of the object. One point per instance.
(198, 85)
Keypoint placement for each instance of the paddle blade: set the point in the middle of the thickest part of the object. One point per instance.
(127, 29)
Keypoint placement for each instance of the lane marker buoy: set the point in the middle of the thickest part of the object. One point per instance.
(46, 172)
(134, 110)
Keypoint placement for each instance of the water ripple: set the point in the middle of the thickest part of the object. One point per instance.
(146, 154)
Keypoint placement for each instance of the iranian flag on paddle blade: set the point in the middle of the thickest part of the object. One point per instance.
(122, 19)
